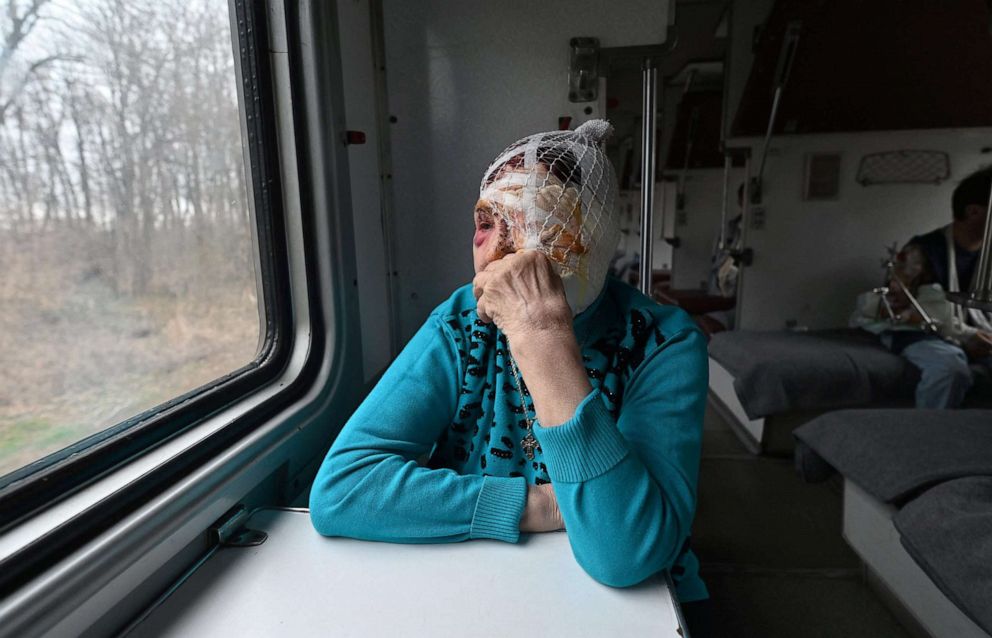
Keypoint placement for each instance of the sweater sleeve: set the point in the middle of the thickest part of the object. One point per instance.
(370, 485)
(626, 487)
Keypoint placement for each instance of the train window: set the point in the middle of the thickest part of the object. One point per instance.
(136, 267)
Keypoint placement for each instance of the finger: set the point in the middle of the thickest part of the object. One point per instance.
(533, 255)
(555, 521)
(479, 283)
(527, 257)
(499, 265)
(482, 311)
(550, 272)
(544, 272)
(537, 259)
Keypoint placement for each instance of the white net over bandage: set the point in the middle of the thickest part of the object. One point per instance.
(556, 192)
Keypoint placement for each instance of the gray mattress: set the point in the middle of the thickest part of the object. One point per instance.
(895, 454)
(779, 372)
(948, 532)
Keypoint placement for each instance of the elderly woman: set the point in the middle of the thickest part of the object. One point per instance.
(543, 396)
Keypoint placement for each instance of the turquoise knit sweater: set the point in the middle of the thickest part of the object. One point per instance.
(433, 453)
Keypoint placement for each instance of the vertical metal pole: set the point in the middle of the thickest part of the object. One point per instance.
(727, 164)
(689, 139)
(745, 223)
(981, 288)
(650, 122)
(387, 208)
(746, 204)
(979, 296)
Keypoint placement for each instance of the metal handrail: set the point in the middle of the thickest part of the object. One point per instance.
(649, 128)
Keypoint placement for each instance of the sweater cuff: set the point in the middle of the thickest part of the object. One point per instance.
(585, 446)
(499, 508)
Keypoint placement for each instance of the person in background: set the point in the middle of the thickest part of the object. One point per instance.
(543, 396)
(930, 265)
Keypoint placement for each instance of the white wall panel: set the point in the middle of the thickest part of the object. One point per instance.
(364, 172)
(465, 79)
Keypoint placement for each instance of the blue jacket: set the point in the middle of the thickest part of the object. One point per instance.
(624, 468)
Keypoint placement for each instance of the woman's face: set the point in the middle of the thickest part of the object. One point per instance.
(492, 237)
(503, 226)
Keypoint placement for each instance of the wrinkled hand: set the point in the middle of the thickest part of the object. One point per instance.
(979, 345)
(522, 293)
(541, 514)
(524, 296)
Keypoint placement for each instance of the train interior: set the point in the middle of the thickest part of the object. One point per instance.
(220, 222)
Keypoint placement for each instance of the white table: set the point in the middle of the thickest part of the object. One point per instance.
(298, 583)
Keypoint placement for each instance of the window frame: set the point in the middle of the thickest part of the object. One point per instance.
(39, 485)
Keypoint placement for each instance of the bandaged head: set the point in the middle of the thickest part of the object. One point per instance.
(556, 193)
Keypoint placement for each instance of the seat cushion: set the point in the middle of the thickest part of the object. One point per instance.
(894, 454)
(948, 532)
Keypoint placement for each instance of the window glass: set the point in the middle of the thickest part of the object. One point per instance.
(127, 272)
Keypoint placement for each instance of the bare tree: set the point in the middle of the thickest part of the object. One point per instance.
(127, 126)
(20, 21)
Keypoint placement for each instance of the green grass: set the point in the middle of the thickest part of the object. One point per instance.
(26, 440)
(80, 356)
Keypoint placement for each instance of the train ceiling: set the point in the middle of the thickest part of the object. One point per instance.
(873, 65)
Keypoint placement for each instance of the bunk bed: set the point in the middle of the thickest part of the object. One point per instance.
(768, 383)
(917, 484)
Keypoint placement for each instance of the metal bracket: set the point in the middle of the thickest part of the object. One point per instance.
(583, 70)
(229, 531)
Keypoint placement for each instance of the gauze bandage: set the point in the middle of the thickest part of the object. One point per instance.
(556, 193)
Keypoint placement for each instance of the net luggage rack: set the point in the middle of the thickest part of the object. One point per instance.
(904, 167)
